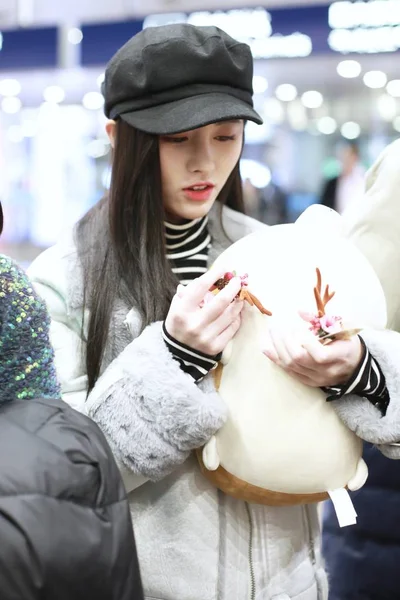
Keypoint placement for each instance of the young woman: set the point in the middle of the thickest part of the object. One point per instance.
(65, 526)
(134, 348)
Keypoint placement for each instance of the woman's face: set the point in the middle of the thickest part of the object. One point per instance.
(195, 166)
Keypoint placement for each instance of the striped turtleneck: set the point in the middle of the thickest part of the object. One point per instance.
(187, 251)
(367, 381)
(187, 248)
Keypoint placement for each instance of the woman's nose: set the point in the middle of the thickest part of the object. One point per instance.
(201, 159)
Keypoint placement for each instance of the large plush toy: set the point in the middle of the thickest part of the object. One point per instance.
(373, 225)
(283, 442)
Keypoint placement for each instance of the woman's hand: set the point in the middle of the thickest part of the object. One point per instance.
(301, 354)
(210, 328)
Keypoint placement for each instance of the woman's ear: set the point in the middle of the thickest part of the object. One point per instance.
(111, 129)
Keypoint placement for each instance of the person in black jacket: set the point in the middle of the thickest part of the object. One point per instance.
(342, 191)
(65, 526)
(363, 561)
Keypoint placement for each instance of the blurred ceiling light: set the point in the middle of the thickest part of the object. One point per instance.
(387, 107)
(326, 125)
(260, 84)
(286, 92)
(396, 124)
(350, 130)
(349, 69)
(75, 36)
(100, 80)
(10, 87)
(273, 111)
(15, 134)
(375, 79)
(393, 88)
(93, 100)
(312, 99)
(11, 105)
(54, 93)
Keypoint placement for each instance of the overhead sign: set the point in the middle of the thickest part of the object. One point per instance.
(29, 48)
(344, 27)
(252, 26)
(364, 27)
(101, 41)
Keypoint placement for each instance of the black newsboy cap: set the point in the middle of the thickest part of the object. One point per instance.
(180, 77)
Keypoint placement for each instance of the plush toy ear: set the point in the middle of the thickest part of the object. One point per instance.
(322, 219)
(210, 455)
(373, 224)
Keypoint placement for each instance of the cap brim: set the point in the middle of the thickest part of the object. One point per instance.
(190, 113)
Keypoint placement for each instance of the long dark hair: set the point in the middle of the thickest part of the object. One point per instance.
(121, 242)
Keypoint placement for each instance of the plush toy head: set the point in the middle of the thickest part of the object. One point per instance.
(283, 443)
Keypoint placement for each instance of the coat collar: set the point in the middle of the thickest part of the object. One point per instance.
(226, 226)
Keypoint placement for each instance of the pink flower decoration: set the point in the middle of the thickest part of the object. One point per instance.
(315, 325)
(244, 279)
(331, 324)
(320, 326)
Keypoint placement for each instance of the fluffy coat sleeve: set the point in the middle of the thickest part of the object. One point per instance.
(152, 413)
(360, 415)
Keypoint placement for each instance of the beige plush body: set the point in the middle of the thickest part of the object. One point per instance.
(283, 443)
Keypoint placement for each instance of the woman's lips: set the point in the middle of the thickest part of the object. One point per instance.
(199, 192)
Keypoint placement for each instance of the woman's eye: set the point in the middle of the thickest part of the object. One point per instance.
(174, 140)
(226, 138)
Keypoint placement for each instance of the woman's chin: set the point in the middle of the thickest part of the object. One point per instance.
(191, 210)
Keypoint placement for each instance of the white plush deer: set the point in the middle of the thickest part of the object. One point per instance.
(283, 442)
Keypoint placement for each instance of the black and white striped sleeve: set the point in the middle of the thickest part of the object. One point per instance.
(195, 363)
(368, 382)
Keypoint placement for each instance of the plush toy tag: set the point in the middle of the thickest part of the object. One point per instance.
(344, 508)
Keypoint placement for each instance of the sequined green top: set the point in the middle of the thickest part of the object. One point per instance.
(27, 367)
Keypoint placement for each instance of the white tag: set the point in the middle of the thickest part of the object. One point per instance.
(344, 508)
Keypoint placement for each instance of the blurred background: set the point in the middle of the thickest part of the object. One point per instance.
(326, 80)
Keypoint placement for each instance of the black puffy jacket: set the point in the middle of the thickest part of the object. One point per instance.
(363, 561)
(65, 527)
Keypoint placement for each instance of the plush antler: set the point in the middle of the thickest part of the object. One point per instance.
(244, 293)
(322, 301)
(253, 301)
